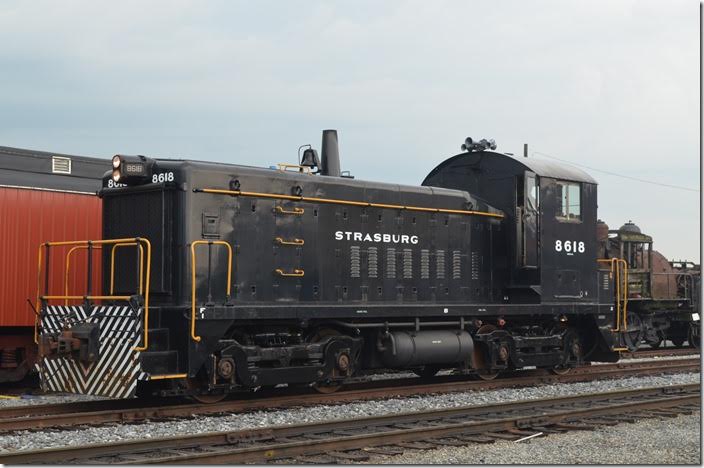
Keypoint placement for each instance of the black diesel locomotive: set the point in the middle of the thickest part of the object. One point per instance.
(220, 277)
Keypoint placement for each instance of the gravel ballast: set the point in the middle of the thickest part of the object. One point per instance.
(657, 442)
(29, 440)
(50, 399)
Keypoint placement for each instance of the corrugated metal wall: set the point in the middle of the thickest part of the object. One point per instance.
(28, 218)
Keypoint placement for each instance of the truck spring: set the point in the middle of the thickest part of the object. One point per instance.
(8, 358)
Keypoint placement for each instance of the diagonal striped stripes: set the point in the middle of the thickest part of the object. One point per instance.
(117, 370)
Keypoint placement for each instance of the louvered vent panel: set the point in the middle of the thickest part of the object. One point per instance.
(456, 264)
(440, 264)
(391, 263)
(373, 262)
(354, 261)
(424, 264)
(60, 165)
(407, 263)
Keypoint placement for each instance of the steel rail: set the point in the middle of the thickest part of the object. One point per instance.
(258, 445)
(659, 352)
(120, 411)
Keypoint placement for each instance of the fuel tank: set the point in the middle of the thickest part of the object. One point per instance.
(403, 349)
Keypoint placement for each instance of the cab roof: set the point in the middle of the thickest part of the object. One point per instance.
(491, 160)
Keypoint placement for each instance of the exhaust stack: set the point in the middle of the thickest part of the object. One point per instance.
(330, 154)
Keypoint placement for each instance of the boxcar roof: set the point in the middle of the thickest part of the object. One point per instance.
(36, 169)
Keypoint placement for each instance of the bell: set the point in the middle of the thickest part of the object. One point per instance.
(310, 158)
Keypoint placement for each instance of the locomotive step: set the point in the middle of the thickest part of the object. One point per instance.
(159, 339)
(159, 362)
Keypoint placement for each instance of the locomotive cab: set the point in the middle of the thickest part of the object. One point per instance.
(550, 249)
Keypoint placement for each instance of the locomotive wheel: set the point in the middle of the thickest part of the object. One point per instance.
(653, 338)
(678, 341)
(693, 335)
(560, 370)
(322, 387)
(634, 332)
(205, 398)
(654, 344)
(479, 358)
(572, 348)
(426, 372)
(487, 375)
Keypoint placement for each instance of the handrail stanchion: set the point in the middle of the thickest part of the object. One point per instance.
(39, 281)
(619, 270)
(146, 294)
(140, 263)
(195, 337)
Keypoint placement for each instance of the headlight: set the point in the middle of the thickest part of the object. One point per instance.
(132, 170)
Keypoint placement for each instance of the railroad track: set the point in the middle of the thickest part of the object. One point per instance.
(660, 352)
(357, 439)
(98, 412)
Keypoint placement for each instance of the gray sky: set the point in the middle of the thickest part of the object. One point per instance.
(610, 84)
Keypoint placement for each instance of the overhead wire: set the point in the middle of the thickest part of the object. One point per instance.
(679, 187)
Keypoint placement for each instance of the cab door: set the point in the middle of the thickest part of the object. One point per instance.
(527, 213)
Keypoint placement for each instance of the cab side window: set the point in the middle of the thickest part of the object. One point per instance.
(532, 193)
(569, 197)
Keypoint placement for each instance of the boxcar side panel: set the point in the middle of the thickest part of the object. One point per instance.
(30, 217)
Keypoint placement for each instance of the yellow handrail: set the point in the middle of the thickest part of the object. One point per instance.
(295, 211)
(68, 266)
(295, 241)
(194, 337)
(112, 264)
(296, 272)
(39, 282)
(301, 198)
(167, 376)
(86, 243)
(625, 293)
(621, 292)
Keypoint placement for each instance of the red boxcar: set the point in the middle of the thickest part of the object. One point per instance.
(43, 197)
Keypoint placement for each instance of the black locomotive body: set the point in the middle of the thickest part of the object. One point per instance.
(238, 277)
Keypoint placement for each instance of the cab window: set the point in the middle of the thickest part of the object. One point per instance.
(532, 193)
(569, 197)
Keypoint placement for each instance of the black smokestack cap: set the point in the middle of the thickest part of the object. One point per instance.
(330, 154)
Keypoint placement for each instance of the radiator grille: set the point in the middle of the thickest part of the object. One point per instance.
(152, 221)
